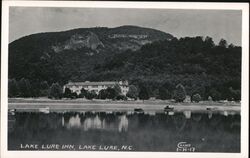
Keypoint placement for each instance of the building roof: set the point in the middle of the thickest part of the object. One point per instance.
(87, 83)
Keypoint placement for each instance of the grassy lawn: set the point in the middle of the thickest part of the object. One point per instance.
(27, 104)
(96, 101)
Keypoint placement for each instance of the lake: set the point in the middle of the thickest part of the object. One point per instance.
(125, 131)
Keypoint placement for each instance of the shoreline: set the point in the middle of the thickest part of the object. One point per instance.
(77, 105)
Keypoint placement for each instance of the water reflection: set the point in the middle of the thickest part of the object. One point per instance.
(225, 113)
(187, 114)
(86, 123)
(149, 131)
(170, 113)
(74, 121)
(210, 114)
(123, 123)
(93, 123)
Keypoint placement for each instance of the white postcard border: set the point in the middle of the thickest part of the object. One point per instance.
(153, 5)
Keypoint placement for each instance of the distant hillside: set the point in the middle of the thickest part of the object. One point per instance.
(144, 57)
(66, 55)
(197, 63)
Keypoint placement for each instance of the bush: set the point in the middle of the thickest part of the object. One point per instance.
(196, 97)
(74, 95)
(121, 97)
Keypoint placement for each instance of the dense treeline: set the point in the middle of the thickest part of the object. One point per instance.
(26, 88)
(203, 69)
(197, 63)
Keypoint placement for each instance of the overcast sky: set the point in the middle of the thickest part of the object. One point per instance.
(180, 23)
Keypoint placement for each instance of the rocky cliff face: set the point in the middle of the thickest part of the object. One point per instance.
(77, 41)
(109, 39)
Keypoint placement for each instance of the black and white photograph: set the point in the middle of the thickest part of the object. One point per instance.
(120, 78)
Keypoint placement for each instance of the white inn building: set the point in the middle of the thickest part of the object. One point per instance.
(96, 86)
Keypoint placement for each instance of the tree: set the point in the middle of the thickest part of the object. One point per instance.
(223, 43)
(164, 94)
(143, 94)
(111, 93)
(44, 85)
(44, 88)
(24, 87)
(103, 94)
(180, 93)
(234, 94)
(83, 93)
(67, 93)
(196, 97)
(55, 91)
(214, 94)
(166, 90)
(117, 89)
(231, 46)
(210, 98)
(209, 42)
(74, 95)
(35, 89)
(13, 89)
(132, 92)
(91, 94)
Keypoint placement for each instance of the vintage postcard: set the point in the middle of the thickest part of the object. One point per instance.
(127, 79)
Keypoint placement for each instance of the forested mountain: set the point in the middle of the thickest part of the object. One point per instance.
(144, 57)
(61, 56)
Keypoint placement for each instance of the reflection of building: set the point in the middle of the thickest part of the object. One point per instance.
(187, 114)
(123, 123)
(96, 123)
(96, 86)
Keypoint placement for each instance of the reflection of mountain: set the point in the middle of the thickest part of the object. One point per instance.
(120, 123)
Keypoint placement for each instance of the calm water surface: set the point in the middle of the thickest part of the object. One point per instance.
(204, 132)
